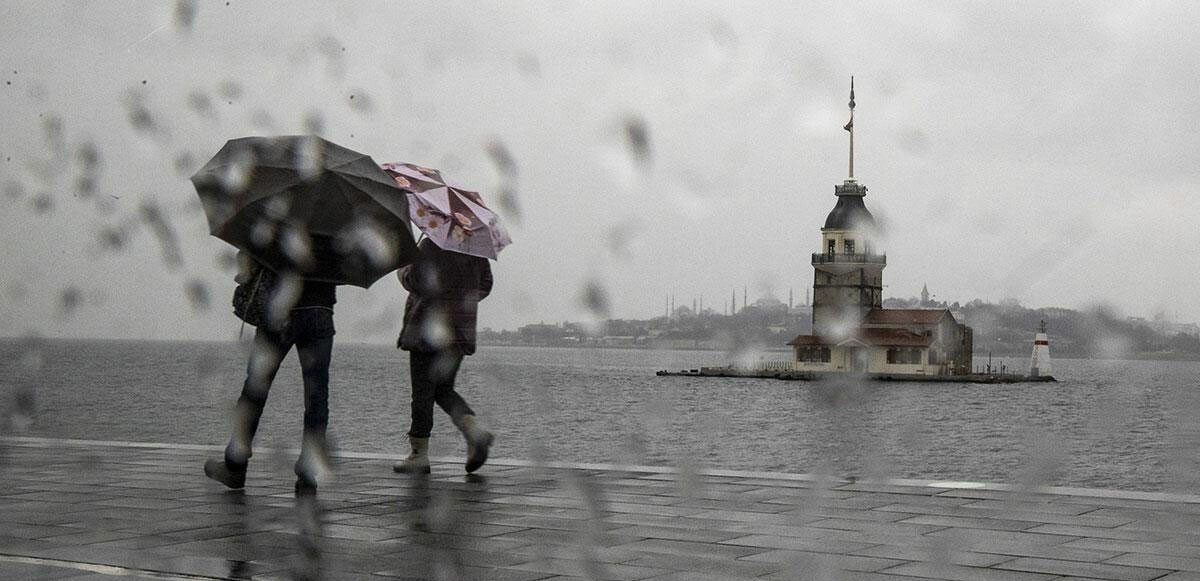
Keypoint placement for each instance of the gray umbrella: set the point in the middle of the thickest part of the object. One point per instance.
(306, 206)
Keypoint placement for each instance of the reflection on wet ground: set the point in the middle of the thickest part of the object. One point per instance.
(92, 510)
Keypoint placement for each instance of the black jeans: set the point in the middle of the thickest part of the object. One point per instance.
(433, 375)
(311, 331)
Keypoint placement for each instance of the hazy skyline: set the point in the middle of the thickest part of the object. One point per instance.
(1012, 150)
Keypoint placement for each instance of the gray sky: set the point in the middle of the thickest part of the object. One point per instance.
(1039, 151)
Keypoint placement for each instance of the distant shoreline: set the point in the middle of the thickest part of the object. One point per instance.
(390, 345)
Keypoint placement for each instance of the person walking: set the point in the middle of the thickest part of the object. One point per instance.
(444, 288)
(309, 328)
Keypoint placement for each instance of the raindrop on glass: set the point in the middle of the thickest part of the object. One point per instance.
(595, 299)
(435, 330)
(239, 171)
(361, 102)
(310, 158)
(185, 15)
(140, 117)
(112, 238)
(88, 156)
(85, 185)
(297, 246)
(262, 119)
(637, 139)
(185, 163)
(198, 295)
(502, 158)
(52, 130)
(199, 102)
(528, 65)
(226, 260)
(168, 241)
(43, 203)
(69, 301)
(314, 123)
(13, 190)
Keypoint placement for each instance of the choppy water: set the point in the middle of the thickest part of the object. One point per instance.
(1111, 424)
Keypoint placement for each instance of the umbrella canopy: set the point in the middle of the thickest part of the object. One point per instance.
(453, 218)
(303, 205)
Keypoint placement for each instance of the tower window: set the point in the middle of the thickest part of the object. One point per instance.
(832, 247)
(849, 247)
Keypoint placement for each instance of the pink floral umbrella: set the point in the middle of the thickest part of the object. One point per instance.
(454, 219)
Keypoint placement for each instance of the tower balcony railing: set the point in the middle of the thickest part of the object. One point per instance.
(827, 258)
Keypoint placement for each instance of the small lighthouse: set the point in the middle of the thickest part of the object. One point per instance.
(1039, 365)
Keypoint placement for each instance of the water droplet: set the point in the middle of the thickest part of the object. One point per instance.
(237, 174)
(595, 299)
(24, 408)
(310, 158)
(14, 190)
(262, 234)
(528, 65)
(185, 163)
(112, 237)
(314, 123)
(435, 329)
(43, 203)
(724, 40)
(226, 260)
(508, 204)
(52, 130)
(230, 89)
(199, 102)
(69, 300)
(88, 155)
(619, 238)
(297, 246)
(365, 240)
(140, 117)
(637, 138)
(262, 119)
(361, 102)
(185, 15)
(197, 295)
(501, 158)
(85, 185)
(168, 241)
(283, 298)
(915, 141)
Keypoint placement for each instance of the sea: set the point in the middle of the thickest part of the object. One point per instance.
(1127, 425)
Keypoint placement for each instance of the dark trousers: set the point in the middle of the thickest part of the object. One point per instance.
(310, 331)
(433, 375)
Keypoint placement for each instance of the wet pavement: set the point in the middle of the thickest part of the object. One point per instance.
(76, 510)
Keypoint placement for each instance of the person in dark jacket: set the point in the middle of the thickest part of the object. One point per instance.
(439, 330)
(308, 327)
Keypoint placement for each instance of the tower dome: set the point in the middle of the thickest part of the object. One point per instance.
(850, 213)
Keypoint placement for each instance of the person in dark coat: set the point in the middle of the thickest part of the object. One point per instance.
(308, 327)
(444, 290)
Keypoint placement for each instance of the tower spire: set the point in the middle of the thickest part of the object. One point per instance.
(850, 127)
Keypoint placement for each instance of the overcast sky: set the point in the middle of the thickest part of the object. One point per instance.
(1045, 152)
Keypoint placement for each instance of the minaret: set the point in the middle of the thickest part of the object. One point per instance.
(1039, 364)
(848, 275)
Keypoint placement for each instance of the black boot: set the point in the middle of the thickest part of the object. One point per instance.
(231, 475)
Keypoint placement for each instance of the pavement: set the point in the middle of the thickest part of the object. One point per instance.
(80, 510)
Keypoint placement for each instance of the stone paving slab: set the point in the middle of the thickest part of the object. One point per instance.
(76, 510)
